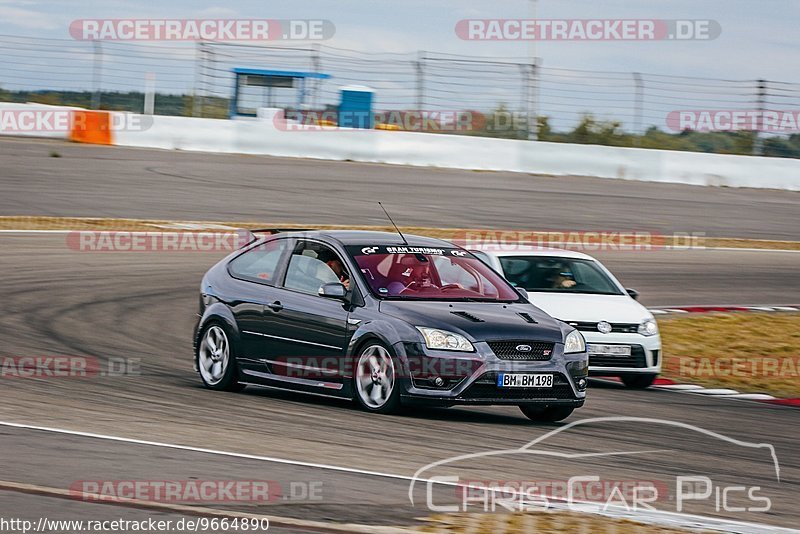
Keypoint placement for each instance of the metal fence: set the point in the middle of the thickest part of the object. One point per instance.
(198, 76)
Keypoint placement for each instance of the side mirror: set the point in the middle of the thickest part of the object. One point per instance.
(522, 291)
(633, 293)
(333, 290)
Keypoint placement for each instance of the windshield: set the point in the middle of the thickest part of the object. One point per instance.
(558, 275)
(423, 273)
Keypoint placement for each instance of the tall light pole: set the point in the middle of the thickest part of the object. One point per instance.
(533, 123)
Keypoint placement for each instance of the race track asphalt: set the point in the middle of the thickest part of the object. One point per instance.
(140, 305)
(96, 181)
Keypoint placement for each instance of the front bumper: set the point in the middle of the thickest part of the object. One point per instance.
(471, 378)
(646, 354)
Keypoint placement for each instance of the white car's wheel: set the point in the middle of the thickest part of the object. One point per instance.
(639, 381)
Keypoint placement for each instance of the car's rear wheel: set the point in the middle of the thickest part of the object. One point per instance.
(638, 381)
(216, 360)
(548, 414)
(375, 379)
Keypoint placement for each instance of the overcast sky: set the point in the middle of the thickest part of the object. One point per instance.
(759, 38)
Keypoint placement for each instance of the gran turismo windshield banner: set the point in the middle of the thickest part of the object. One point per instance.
(406, 249)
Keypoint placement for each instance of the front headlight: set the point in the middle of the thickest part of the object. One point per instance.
(574, 342)
(436, 339)
(648, 328)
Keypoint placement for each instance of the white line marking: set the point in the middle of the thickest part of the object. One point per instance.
(36, 231)
(678, 387)
(718, 392)
(207, 451)
(744, 249)
(753, 396)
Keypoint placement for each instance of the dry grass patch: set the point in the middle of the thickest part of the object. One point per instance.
(748, 352)
(539, 522)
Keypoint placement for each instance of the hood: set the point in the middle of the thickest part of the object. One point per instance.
(480, 321)
(591, 308)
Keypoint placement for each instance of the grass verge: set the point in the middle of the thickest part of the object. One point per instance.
(748, 352)
(540, 522)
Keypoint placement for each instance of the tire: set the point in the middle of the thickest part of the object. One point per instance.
(638, 381)
(375, 382)
(549, 414)
(216, 359)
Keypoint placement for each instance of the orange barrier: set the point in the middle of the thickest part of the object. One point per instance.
(91, 127)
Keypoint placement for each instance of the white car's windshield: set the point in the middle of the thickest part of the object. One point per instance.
(558, 275)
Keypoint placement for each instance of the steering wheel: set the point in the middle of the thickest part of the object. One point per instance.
(448, 287)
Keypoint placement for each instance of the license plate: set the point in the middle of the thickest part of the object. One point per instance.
(516, 380)
(609, 350)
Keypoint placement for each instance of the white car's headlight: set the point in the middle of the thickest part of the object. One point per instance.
(436, 339)
(648, 328)
(574, 342)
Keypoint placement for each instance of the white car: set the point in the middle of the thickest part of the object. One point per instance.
(621, 335)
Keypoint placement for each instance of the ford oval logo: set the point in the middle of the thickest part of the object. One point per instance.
(524, 348)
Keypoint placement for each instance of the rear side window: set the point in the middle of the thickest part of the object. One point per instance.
(260, 263)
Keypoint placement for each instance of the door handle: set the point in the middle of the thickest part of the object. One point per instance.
(275, 306)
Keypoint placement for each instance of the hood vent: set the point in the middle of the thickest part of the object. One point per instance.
(527, 317)
(468, 316)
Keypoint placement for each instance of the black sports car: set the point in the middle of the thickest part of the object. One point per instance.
(384, 319)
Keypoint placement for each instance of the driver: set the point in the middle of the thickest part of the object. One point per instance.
(338, 269)
(421, 277)
(414, 276)
(561, 280)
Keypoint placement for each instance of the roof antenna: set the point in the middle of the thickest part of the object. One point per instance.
(393, 224)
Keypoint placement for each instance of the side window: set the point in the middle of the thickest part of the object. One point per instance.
(482, 256)
(260, 263)
(312, 265)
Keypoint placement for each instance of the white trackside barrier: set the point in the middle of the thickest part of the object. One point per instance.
(465, 152)
(262, 137)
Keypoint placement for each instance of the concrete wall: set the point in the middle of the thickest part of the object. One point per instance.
(269, 137)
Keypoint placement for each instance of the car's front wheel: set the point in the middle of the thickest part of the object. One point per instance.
(638, 381)
(548, 414)
(375, 379)
(216, 360)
